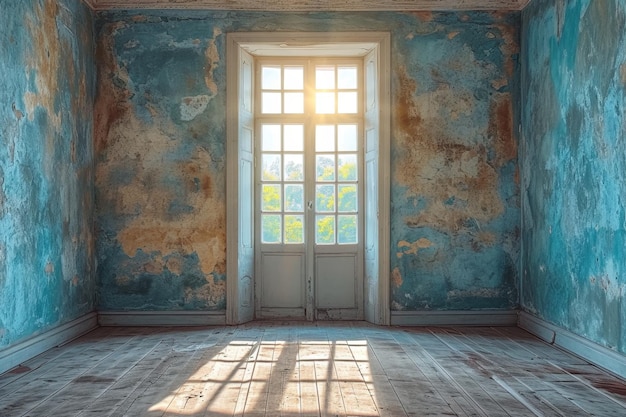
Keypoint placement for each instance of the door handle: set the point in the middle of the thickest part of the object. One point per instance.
(310, 205)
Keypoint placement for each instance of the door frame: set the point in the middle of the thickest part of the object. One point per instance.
(239, 280)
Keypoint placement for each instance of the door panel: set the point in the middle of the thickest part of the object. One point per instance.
(371, 209)
(335, 276)
(283, 285)
(245, 186)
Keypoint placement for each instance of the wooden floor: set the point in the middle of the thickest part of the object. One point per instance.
(309, 369)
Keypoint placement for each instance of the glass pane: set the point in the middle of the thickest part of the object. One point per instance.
(325, 198)
(347, 77)
(347, 137)
(271, 103)
(346, 230)
(294, 229)
(270, 228)
(347, 102)
(325, 230)
(347, 169)
(271, 167)
(325, 78)
(325, 138)
(294, 78)
(271, 197)
(294, 138)
(294, 103)
(325, 167)
(270, 78)
(324, 103)
(347, 198)
(271, 138)
(294, 197)
(294, 167)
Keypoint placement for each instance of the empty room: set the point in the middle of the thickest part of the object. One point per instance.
(312, 208)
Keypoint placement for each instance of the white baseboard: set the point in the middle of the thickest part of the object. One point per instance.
(454, 318)
(28, 349)
(592, 352)
(161, 318)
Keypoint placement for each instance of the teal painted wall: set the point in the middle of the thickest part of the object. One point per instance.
(160, 143)
(574, 166)
(47, 83)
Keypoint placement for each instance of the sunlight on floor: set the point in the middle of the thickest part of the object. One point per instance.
(292, 378)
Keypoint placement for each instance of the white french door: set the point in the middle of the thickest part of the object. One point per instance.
(308, 141)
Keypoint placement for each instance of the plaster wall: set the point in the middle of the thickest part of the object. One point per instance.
(574, 166)
(160, 120)
(47, 83)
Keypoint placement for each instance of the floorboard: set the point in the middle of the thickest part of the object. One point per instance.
(309, 369)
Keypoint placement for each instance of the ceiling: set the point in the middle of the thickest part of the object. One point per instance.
(312, 5)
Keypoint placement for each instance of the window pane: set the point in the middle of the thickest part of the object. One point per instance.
(346, 230)
(294, 78)
(325, 198)
(324, 138)
(347, 198)
(270, 78)
(347, 168)
(325, 230)
(294, 103)
(347, 77)
(294, 167)
(270, 228)
(325, 78)
(325, 167)
(294, 138)
(271, 103)
(271, 138)
(271, 197)
(294, 197)
(271, 167)
(294, 229)
(324, 103)
(347, 138)
(347, 102)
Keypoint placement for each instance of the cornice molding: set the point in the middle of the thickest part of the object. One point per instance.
(311, 5)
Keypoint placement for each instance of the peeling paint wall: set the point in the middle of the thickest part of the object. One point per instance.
(574, 166)
(47, 80)
(160, 137)
(455, 192)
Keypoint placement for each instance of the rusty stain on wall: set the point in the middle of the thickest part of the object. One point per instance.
(45, 61)
(411, 248)
(455, 170)
(156, 179)
(396, 277)
(111, 102)
(501, 129)
(212, 61)
(438, 164)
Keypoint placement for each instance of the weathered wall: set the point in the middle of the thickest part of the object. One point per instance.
(47, 80)
(160, 133)
(455, 191)
(574, 166)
